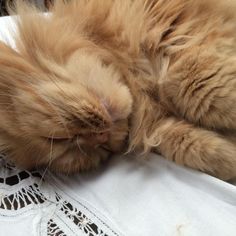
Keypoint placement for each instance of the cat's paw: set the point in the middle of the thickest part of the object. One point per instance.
(223, 165)
(216, 156)
(198, 148)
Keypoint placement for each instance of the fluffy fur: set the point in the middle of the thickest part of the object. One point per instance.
(100, 77)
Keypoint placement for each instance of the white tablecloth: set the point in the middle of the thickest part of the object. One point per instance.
(126, 197)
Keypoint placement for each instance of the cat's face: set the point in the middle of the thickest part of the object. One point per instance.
(71, 120)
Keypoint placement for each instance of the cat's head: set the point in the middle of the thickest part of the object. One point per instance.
(69, 116)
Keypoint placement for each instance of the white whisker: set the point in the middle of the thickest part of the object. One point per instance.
(49, 163)
(80, 148)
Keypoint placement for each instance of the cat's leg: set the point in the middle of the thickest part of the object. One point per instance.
(197, 148)
(202, 89)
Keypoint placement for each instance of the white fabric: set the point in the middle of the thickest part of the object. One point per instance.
(126, 197)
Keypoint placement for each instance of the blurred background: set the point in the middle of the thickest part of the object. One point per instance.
(40, 3)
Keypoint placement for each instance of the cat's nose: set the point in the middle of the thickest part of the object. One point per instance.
(102, 137)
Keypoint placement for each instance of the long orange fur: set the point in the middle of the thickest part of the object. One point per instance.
(97, 77)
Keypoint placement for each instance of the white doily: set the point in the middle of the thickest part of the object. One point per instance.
(26, 194)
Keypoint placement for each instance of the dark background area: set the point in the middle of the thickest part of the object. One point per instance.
(40, 3)
(3, 10)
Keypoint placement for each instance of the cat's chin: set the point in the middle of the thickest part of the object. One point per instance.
(75, 161)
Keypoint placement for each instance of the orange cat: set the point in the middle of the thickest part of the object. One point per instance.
(101, 77)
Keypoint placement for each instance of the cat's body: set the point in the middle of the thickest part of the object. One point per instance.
(107, 76)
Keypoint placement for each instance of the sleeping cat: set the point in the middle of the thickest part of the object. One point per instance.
(98, 77)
